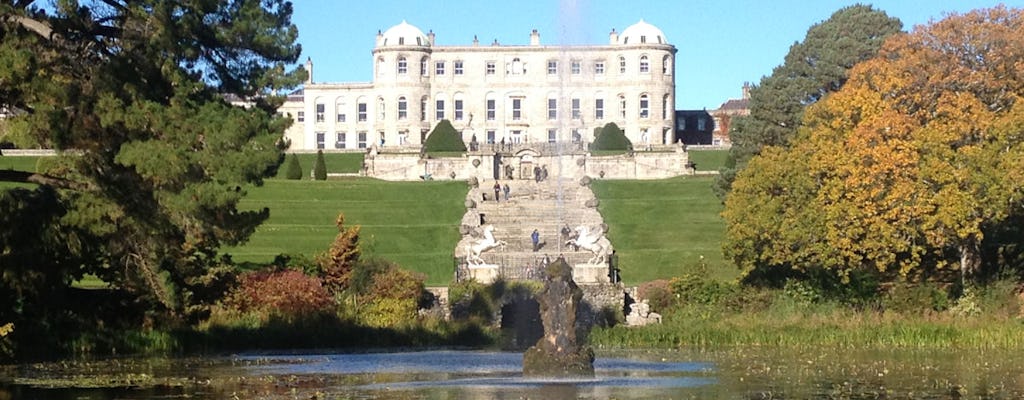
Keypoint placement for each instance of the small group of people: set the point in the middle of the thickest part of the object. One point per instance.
(567, 234)
(540, 173)
(499, 189)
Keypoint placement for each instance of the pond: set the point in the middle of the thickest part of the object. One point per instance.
(748, 373)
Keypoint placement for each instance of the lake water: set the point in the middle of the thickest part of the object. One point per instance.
(747, 373)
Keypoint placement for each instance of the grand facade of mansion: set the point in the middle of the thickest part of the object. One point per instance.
(493, 92)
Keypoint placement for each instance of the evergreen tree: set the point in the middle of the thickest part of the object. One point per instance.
(611, 137)
(294, 170)
(152, 161)
(320, 168)
(813, 68)
(443, 138)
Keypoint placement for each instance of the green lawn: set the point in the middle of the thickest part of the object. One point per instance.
(412, 223)
(18, 163)
(335, 162)
(708, 160)
(661, 228)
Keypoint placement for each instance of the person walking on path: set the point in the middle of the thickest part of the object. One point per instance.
(535, 237)
(497, 191)
(506, 189)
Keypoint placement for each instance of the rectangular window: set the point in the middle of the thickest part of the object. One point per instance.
(576, 67)
(423, 109)
(362, 140)
(341, 113)
(491, 136)
(517, 136)
(402, 66)
(320, 139)
(622, 65)
(458, 110)
(575, 108)
(403, 111)
(339, 143)
(490, 109)
(517, 109)
(599, 109)
(458, 67)
(362, 112)
(439, 113)
(599, 68)
(552, 135)
(552, 108)
(423, 66)
(622, 107)
(490, 68)
(320, 112)
(552, 67)
(301, 116)
(702, 124)
(644, 107)
(439, 68)
(576, 136)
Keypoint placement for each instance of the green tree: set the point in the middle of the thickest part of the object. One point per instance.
(611, 137)
(152, 161)
(293, 170)
(444, 138)
(813, 68)
(320, 168)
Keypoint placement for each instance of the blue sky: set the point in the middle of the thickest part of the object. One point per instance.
(721, 44)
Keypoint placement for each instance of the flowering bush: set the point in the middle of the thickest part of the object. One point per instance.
(287, 293)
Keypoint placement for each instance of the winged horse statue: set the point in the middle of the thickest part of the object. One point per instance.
(594, 242)
(474, 248)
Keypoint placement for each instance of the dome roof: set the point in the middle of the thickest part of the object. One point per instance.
(642, 32)
(404, 34)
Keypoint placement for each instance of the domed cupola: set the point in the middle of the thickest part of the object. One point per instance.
(642, 33)
(403, 34)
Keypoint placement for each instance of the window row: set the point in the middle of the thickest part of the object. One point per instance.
(517, 67)
(459, 112)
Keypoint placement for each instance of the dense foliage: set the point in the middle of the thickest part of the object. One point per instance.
(444, 138)
(611, 137)
(320, 168)
(813, 68)
(152, 160)
(293, 170)
(914, 169)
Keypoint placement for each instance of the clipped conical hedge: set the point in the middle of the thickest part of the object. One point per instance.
(444, 138)
(611, 138)
(293, 170)
(320, 168)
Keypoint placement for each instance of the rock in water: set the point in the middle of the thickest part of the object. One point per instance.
(558, 352)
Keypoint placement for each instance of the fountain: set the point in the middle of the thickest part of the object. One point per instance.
(558, 353)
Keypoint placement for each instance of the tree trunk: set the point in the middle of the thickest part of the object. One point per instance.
(970, 258)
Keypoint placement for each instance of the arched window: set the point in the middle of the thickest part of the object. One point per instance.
(423, 108)
(403, 108)
(380, 108)
(664, 107)
(403, 65)
(645, 65)
(622, 106)
(339, 108)
(622, 64)
(423, 66)
(645, 106)
(666, 65)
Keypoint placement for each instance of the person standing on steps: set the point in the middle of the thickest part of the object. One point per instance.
(497, 191)
(535, 237)
(506, 189)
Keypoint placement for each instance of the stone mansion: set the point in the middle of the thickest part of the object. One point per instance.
(493, 92)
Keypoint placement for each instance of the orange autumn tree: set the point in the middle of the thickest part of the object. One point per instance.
(902, 171)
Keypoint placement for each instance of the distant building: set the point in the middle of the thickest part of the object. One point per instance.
(723, 116)
(694, 127)
(515, 93)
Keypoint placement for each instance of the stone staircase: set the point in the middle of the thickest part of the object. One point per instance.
(546, 206)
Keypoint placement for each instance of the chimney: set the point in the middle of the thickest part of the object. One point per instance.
(534, 38)
(430, 37)
(309, 71)
(613, 37)
(746, 90)
(476, 42)
(380, 38)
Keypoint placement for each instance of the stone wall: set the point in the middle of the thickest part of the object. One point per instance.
(600, 298)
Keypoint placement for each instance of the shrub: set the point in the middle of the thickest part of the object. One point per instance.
(320, 168)
(444, 138)
(657, 293)
(471, 300)
(293, 171)
(285, 293)
(611, 138)
(916, 298)
(392, 295)
(697, 289)
(337, 263)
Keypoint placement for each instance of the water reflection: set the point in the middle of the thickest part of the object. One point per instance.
(749, 373)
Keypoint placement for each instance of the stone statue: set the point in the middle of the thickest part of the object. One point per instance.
(593, 241)
(473, 249)
(640, 314)
(559, 352)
